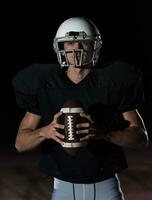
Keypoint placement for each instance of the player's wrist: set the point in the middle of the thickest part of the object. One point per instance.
(41, 132)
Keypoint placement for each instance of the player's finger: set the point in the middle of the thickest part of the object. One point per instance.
(60, 126)
(86, 116)
(87, 137)
(56, 116)
(83, 125)
(82, 131)
(86, 131)
(58, 140)
(59, 135)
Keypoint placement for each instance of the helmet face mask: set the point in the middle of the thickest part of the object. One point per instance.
(75, 53)
(73, 31)
(73, 57)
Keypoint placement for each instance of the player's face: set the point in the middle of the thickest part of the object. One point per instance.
(78, 52)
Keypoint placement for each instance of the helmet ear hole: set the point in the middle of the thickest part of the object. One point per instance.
(77, 29)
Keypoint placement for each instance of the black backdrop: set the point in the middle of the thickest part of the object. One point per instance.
(27, 33)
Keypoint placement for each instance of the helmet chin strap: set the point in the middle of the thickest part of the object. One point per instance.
(84, 66)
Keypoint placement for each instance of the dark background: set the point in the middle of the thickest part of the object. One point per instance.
(27, 32)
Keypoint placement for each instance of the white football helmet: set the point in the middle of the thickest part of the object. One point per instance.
(77, 29)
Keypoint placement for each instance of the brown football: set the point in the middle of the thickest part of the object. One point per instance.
(71, 116)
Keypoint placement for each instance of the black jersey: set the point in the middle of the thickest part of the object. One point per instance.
(43, 89)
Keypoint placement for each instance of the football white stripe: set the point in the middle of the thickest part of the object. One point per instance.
(74, 144)
(72, 110)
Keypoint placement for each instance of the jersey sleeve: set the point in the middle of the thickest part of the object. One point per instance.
(25, 85)
(131, 92)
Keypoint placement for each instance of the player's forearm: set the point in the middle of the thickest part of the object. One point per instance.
(129, 137)
(28, 139)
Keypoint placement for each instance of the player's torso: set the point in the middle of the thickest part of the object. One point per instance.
(90, 92)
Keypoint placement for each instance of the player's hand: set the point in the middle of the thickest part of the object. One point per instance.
(85, 129)
(51, 131)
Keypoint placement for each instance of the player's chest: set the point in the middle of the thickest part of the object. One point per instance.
(52, 99)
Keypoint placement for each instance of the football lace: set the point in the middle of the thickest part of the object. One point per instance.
(70, 123)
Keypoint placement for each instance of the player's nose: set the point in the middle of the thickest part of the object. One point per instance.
(78, 45)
